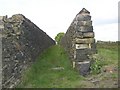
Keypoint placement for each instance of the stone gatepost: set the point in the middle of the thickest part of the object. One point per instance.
(84, 42)
(1, 28)
(79, 42)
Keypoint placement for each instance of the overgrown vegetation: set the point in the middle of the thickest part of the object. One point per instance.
(59, 37)
(46, 71)
(108, 52)
(53, 70)
(96, 67)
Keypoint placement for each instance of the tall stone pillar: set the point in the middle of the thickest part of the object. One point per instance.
(84, 41)
(79, 41)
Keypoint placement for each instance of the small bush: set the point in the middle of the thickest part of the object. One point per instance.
(59, 37)
(96, 67)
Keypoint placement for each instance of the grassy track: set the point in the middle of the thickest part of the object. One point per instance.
(42, 74)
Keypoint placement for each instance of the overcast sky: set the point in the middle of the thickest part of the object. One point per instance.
(54, 16)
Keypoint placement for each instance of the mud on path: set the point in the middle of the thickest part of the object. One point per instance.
(108, 78)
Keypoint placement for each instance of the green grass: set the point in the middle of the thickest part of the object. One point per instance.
(109, 53)
(41, 74)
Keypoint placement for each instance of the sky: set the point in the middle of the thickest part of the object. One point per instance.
(54, 16)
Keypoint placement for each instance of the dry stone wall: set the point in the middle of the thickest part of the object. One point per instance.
(22, 42)
(79, 42)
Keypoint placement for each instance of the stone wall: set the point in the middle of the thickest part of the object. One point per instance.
(79, 42)
(22, 42)
(1, 27)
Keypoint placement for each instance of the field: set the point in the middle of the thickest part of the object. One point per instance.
(53, 69)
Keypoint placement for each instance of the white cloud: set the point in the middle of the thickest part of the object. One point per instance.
(54, 16)
(107, 32)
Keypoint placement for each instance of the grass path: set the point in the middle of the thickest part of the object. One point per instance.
(43, 73)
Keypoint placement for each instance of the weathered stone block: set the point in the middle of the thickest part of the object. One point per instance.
(83, 54)
(83, 51)
(78, 35)
(84, 23)
(82, 46)
(83, 17)
(84, 35)
(1, 26)
(84, 29)
(88, 35)
(1, 17)
(83, 67)
(1, 23)
(84, 11)
(85, 40)
(81, 57)
(87, 51)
